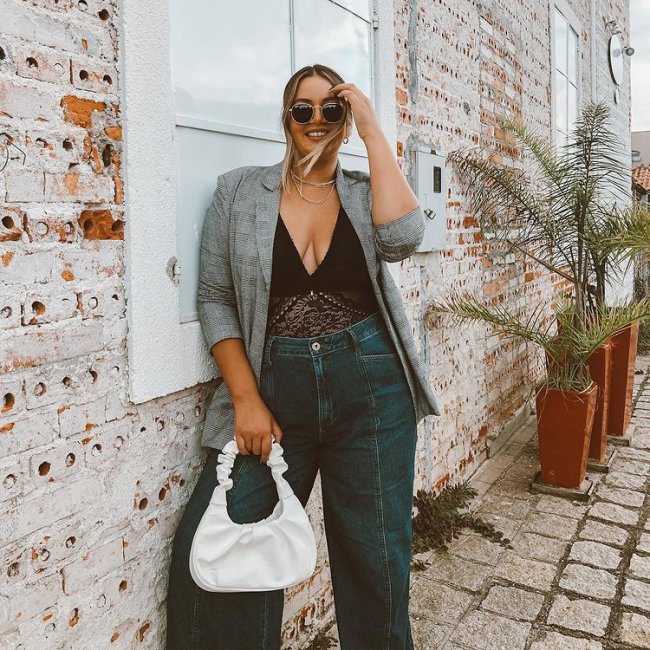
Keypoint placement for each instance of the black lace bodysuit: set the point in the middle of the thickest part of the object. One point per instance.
(336, 295)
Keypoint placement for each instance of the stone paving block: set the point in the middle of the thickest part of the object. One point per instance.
(644, 543)
(595, 554)
(513, 602)
(503, 524)
(524, 571)
(629, 498)
(505, 506)
(437, 602)
(457, 571)
(477, 547)
(637, 594)
(632, 453)
(428, 635)
(555, 641)
(641, 440)
(485, 631)
(607, 533)
(551, 525)
(638, 467)
(563, 507)
(635, 629)
(538, 547)
(579, 614)
(640, 566)
(623, 480)
(588, 581)
(615, 513)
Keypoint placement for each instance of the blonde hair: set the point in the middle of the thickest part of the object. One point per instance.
(291, 156)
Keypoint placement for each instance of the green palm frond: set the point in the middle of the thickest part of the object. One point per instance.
(568, 345)
(561, 210)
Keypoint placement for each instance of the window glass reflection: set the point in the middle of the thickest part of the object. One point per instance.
(226, 67)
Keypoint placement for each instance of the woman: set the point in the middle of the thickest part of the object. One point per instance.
(330, 369)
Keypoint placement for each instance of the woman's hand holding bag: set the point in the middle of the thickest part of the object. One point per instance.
(274, 553)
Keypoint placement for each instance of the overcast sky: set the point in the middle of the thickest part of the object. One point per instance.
(640, 62)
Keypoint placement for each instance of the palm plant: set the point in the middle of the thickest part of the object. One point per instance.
(567, 349)
(563, 213)
(629, 235)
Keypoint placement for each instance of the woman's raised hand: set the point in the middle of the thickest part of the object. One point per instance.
(255, 428)
(361, 106)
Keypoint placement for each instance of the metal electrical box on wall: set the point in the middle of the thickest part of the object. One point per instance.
(430, 186)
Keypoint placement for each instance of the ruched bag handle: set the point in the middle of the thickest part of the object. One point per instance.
(226, 460)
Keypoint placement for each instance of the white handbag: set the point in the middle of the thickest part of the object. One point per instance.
(274, 553)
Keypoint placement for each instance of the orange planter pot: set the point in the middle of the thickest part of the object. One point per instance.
(564, 422)
(599, 364)
(624, 344)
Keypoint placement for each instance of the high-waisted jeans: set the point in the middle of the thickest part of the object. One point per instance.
(344, 407)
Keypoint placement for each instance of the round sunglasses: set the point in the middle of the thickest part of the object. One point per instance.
(332, 112)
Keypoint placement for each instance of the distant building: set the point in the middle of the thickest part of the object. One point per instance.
(640, 149)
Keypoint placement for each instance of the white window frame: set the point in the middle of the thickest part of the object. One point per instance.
(576, 25)
(166, 356)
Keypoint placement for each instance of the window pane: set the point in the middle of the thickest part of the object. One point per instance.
(360, 7)
(226, 67)
(561, 28)
(572, 64)
(327, 34)
(572, 110)
(560, 102)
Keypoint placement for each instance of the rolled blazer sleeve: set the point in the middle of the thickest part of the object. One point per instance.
(216, 301)
(400, 238)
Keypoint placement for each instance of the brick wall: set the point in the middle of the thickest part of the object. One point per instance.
(92, 486)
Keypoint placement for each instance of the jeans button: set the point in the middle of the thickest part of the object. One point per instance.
(315, 346)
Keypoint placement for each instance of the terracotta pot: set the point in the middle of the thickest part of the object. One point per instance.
(599, 364)
(624, 344)
(564, 422)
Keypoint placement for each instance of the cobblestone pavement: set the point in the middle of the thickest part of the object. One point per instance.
(578, 574)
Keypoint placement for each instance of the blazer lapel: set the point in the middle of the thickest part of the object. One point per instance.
(267, 207)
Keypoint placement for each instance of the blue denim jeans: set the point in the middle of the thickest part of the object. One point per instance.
(344, 406)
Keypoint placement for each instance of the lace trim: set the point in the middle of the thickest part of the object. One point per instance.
(313, 314)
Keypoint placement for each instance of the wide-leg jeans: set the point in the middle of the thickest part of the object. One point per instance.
(344, 406)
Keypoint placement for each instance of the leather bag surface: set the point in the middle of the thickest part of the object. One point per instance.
(274, 553)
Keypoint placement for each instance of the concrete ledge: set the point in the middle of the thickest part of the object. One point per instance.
(624, 440)
(594, 465)
(583, 493)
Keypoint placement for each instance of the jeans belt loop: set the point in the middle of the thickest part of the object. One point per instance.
(355, 342)
(268, 344)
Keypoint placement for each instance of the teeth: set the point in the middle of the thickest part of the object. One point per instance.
(317, 133)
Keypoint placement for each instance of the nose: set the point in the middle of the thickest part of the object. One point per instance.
(313, 117)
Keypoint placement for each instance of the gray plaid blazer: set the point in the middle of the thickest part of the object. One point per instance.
(235, 275)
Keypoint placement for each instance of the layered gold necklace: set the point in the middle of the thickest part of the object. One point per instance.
(299, 182)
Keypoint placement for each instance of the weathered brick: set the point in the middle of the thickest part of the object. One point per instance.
(82, 418)
(25, 186)
(48, 343)
(93, 75)
(42, 510)
(92, 565)
(78, 187)
(42, 64)
(27, 101)
(49, 306)
(57, 462)
(20, 432)
(30, 601)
